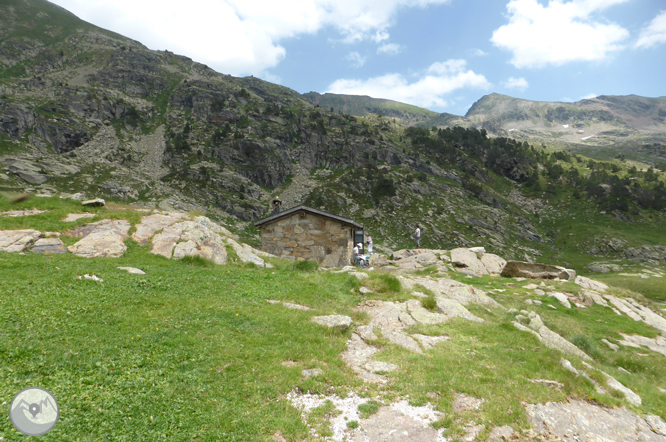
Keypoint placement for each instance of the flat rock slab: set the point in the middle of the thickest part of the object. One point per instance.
(106, 239)
(19, 213)
(391, 425)
(18, 240)
(333, 321)
(463, 402)
(70, 218)
(581, 421)
(200, 237)
(657, 344)
(357, 355)
(520, 269)
(132, 270)
(549, 337)
(247, 255)
(638, 312)
(591, 284)
(151, 224)
(49, 246)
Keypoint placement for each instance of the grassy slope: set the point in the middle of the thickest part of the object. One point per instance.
(190, 352)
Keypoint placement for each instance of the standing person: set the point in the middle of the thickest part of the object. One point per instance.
(369, 243)
(417, 236)
(359, 259)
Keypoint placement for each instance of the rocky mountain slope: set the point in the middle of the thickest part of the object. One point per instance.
(630, 125)
(83, 110)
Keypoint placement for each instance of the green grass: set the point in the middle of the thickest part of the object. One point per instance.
(183, 353)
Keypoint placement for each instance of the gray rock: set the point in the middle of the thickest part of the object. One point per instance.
(539, 292)
(463, 402)
(333, 321)
(428, 342)
(500, 433)
(591, 284)
(359, 275)
(494, 264)
(520, 269)
(549, 338)
(658, 344)
(366, 332)
(293, 306)
(97, 202)
(20, 213)
(401, 339)
(379, 367)
(467, 260)
(390, 425)
(357, 354)
(132, 270)
(561, 297)
(612, 346)
(106, 239)
(48, 246)
(313, 372)
(582, 421)
(18, 240)
(187, 238)
(656, 424)
(247, 256)
(77, 216)
(364, 290)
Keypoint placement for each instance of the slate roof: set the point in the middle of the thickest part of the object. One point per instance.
(302, 208)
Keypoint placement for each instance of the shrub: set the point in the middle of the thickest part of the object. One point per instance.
(306, 266)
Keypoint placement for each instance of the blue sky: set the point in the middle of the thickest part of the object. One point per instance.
(438, 54)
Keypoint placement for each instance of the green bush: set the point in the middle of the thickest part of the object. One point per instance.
(306, 266)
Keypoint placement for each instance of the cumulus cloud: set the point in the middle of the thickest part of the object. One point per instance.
(558, 33)
(430, 89)
(478, 53)
(655, 33)
(389, 49)
(239, 36)
(356, 59)
(588, 96)
(516, 83)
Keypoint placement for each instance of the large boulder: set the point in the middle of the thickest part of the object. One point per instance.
(520, 269)
(468, 260)
(106, 238)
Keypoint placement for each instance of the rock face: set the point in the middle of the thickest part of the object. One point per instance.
(590, 284)
(106, 239)
(17, 240)
(519, 269)
(580, 421)
(547, 336)
(465, 258)
(48, 246)
(190, 238)
(246, 255)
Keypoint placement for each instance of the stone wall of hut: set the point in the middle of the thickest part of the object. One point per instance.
(307, 236)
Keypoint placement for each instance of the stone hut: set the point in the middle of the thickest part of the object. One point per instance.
(306, 233)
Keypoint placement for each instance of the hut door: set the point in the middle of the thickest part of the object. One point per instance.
(358, 237)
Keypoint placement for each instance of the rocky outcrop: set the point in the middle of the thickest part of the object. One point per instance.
(106, 239)
(550, 339)
(18, 240)
(578, 420)
(519, 269)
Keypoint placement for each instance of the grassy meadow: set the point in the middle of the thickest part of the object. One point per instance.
(193, 351)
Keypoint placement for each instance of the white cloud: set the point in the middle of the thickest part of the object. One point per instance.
(559, 33)
(239, 36)
(516, 83)
(588, 96)
(356, 59)
(478, 53)
(389, 49)
(654, 33)
(430, 90)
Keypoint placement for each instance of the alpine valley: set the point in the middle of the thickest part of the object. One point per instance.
(85, 110)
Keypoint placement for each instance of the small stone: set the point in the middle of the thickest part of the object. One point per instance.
(333, 321)
(552, 306)
(537, 302)
(293, 306)
(500, 433)
(313, 372)
(77, 216)
(539, 292)
(361, 276)
(132, 270)
(364, 290)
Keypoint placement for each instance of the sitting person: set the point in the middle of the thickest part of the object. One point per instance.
(358, 257)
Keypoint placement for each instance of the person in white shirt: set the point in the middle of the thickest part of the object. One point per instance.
(369, 243)
(358, 255)
(417, 236)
